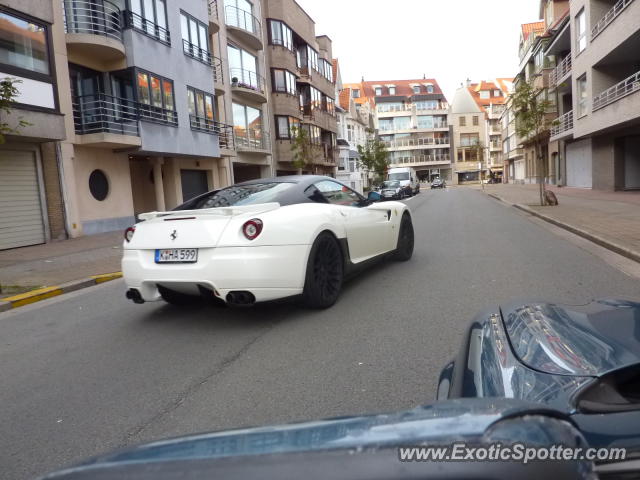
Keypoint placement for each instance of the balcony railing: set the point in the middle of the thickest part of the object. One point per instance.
(615, 93)
(218, 72)
(213, 8)
(394, 108)
(246, 79)
(202, 124)
(105, 114)
(420, 159)
(609, 17)
(225, 135)
(495, 145)
(564, 124)
(252, 139)
(94, 17)
(416, 142)
(147, 27)
(236, 17)
(562, 70)
(194, 51)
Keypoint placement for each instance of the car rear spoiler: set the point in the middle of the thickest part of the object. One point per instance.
(220, 211)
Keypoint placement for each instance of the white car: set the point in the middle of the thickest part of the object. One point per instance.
(263, 240)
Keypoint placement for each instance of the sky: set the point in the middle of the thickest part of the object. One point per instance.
(449, 40)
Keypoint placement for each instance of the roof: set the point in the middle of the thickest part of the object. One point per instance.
(483, 103)
(345, 99)
(535, 27)
(404, 88)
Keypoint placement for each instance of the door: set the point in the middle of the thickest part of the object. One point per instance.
(632, 163)
(194, 183)
(21, 222)
(579, 166)
(368, 230)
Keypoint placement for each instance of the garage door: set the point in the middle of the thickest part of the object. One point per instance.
(21, 221)
(579, 164)
(194, 183)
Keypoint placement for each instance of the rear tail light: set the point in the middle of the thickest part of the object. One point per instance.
(252, 228)
(128, 233)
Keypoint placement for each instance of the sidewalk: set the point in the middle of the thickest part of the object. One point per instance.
(28, 268)
(611, 219)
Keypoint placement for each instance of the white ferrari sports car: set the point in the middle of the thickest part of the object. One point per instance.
(263, 240)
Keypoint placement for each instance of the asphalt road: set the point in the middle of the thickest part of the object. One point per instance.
(90, 371)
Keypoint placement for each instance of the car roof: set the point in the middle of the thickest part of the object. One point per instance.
(301, 179)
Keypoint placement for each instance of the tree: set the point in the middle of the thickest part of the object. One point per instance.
(373, 156)
(479, 150)
(532, 123)
(8, 93)
(304, 152)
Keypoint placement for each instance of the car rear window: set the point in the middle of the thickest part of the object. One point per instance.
(238, 195)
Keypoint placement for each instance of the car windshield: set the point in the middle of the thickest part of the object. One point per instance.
(399, 176)
(391, 184)
(239, 195)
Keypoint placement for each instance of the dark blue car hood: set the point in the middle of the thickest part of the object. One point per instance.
(586, 340)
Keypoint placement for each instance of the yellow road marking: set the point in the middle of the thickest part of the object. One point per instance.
(105, 277)
(33, 296)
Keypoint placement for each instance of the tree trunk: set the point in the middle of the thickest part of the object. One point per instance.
(540, 164)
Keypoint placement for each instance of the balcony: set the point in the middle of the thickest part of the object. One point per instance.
(225, 138)
(218, 76)
(609, 17)
(147, 27)
(252, 141)
(495, 146)
(496, 111)
(244, 25)
(561, 72)
(214, 17)
(194, 51)
(563, 127)
(626, 87)
(382, 108)
(420, 160)
(93, 32)
(106, 121)
(248, 85)
(409, 143)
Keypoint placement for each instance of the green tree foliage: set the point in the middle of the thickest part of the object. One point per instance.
(532, 123)
(304, 152)
(374, 157)
(8, 93)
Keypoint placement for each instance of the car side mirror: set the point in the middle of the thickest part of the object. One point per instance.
(374, 197)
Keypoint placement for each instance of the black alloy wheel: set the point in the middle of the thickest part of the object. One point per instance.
(324, 277)
(404, 248)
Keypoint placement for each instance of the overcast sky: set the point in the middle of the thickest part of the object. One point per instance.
(449, 40)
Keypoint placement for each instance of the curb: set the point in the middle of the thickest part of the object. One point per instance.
(614, 247)
(49, 292)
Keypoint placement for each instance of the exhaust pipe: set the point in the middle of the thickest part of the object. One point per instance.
(134, 295)
(241, 298)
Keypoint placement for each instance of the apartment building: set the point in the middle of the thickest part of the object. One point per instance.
(355, 127)
(411, 118)
(476, 132)
(512, 151)
(241, 74)
(30, 195)
(302, 86)
(597, 82)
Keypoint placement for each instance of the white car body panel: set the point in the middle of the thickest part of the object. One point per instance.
(272, 266)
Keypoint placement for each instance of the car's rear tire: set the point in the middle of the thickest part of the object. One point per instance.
(325, 273)
(176, 298)
(404, 247)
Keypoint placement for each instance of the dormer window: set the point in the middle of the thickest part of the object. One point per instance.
(356, 93)
(378, 91)
(416, 89)
(485, 94)
(429, 88)
(392, 89)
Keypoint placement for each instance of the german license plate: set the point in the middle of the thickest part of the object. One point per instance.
(177, 255)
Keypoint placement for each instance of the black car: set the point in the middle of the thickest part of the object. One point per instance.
(438, 183)
(392, 190)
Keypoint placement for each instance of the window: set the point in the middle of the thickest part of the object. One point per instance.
(356, 93)
(402, 123)
(255, 193)
(312, 59)
(156, 98)
(281, 34)
(24, 44)
(469, 139)
(331, 106)
(484, 94)
(416, 89)
(338, 194)
(427, 105)
(392, 90)
(475, 120)
(350, 135)
(582, 96)
(98, 185)
(243, 67)
(581, 31)
(150, 18)
(460, 156)
(429, 88)
(285, 127)
(425, 121)
(378, 91)
(327, 70)
(240, 14)
(497, 93)
(247, 125)
(284, 81)
(201, 114)
(463, 121)
(195, 35)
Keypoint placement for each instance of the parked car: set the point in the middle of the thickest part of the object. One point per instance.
(438, 183)
(305, 234)
(407, 178)
(392, 190)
